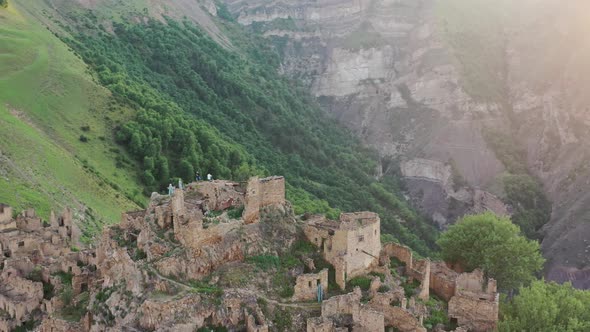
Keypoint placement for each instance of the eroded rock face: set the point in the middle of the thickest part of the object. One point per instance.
(383, 69)
(386, 69)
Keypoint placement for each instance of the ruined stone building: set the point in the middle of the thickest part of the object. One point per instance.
(352, 244)
(345, 313)
(306, 285)
(473, 301)
(261, 193)
(156, 268)
(32, 253)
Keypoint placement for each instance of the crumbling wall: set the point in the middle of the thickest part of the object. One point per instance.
(320, 324)
(474, 313)
(402, 320)
(369, 320)
(261, 193)
(132, 220)
(29, 222)
(306, 285)
(5, 214)
(474, 284)
(217, 195)
(475, 304)
(421, 272)
(18, 296)
(352, 245)
(6, 221)
(401, 252)
(337, 308)
(347, 304)
(442, 280)
(256, 322)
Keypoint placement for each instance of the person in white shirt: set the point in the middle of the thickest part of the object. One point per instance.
(209, 177)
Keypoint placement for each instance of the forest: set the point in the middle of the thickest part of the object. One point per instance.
(226, 111)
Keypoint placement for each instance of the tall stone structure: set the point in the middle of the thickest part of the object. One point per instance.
(351, 245)
(261, 193)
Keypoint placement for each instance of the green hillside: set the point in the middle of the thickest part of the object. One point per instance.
(47, 101)
(178, 103)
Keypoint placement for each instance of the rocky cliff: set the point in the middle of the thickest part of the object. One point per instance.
(427, 81)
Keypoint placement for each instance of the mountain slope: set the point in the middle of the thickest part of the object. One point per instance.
(481, 93)
(46, 97)
(182, 98)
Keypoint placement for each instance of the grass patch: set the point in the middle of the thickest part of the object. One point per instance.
(363, 282)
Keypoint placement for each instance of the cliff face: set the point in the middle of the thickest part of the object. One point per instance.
(424, 80)
(549, 68)
(383, 69)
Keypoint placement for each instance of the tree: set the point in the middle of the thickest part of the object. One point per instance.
(495, 245)
(547, 307)
(4, 3)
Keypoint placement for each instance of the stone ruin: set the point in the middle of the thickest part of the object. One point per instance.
(306, 285)
(32, 253)
(352, 245)
(190, 234)
(345, 312)
(473, 301)
(261, 193)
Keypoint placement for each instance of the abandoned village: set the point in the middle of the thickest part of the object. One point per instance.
(166, 268)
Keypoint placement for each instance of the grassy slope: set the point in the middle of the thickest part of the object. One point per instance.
(45, 98)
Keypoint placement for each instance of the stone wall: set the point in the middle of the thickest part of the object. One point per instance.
(18, 296)
(256, 322)
(474, 284)
(261, 193)
(476, 303)
(369, 320)
(352, 245)
(401, 252)
(320, 324)
(5, 213)
(442, 280)
(6, 221)
(217, 195)
(421, 272)
(346, 304)
(306, 286)
(402, 320)
(474, 313)
(363, 241)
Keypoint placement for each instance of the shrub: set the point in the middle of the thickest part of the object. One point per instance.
(363, 282)
(264, 262)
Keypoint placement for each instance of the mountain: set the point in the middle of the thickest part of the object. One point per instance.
(481, 101)
(479, 105)
(140, 95)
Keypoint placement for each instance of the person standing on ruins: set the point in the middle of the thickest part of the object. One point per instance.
(209, 177)
(198, 177)
(170, 189)
(180, 184)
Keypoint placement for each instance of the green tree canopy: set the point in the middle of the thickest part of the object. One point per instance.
(4, 3)
(547, 307)
(495, 245)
